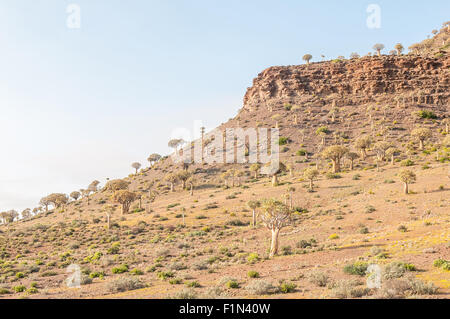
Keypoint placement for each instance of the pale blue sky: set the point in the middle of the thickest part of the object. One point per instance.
(82, 104)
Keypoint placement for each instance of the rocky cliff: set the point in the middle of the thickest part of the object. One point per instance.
(403, 79)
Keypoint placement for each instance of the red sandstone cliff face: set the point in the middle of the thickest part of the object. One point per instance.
(407, 78)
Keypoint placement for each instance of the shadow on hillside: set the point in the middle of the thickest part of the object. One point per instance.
(340, 187)
(360, 246)
(206, 186)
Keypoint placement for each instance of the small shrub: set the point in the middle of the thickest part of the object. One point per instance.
(253, 274)
(165, 274)
(253, 258)
(175, 281)
(260, 287)
(185, 294)
(402, 228)
(319, 279)
(232, 284)
(193, 284)
(357, 268)
(125, 284)
(20, 288)
(286, 287)
(120, 269)
(137, 272)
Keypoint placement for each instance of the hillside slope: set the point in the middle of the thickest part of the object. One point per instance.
(359, 216)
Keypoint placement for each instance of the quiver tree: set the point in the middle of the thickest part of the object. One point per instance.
(276, 172)
(407, 177)
(153, 158)
(399, 48)
(85, 193)
(391, 153)
(290, 169)
(335, 154)
(45, 202)
(93, 186)
(421, 134)
(275, 215)
(58, 199)
(378, 47)
(362, 144)
(175, 143)
(446, 25)
(75, 195)
(183, 176)
(108, 209)
(307, 58)
(311, 174)
(125, 198)
(225, 176)
(171, 178)
(291, 191)
(237, 174)
(149, 186)
(191, 182)
(116, 185)
(136, 166)
(254, 168)
(4, 217)
(9, 216)
(253, 205)
(381, 148)
(352, 156)
(446, 123)
(26, 213)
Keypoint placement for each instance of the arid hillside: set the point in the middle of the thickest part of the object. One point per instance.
(353, 134)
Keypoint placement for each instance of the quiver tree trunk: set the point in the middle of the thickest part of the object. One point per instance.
(254, 218)
(274, 242)
(406, 188)
(108, 221)
(275, 180)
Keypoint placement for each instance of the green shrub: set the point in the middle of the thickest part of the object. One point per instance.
(426, 114)
(137, 272)
(301, 152)
(253, 274)
(193, 284)
(97, 274)
(331, 175)
(232, 284)
(287, 287)
(283, 140)
(4, 291)
(358, 268)
(407, 162)
(120, 269)
(175, 281)
(253, 258)
(20, 275)
(20, 288)
(32, 290)
(165, 274)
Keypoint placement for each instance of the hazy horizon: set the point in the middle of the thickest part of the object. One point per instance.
(83, 104)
